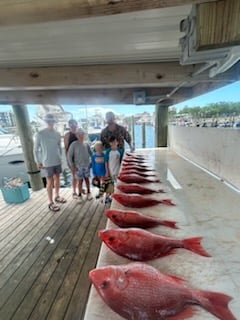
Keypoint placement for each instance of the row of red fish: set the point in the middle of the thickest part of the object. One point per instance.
(138, 291)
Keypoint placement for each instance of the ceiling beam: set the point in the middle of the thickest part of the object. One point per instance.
(86, 96)
(163, 74)
(17, 12)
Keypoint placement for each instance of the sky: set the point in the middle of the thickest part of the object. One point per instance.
(228, 93)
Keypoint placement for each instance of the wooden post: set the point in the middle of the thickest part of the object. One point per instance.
(26, 137)
(133, 132)
(144, 135)
(161, 123)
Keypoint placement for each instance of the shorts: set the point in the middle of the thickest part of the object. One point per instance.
(82, 173)
(51, 171)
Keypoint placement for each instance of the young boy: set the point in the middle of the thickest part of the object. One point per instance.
(79, 154)
(99, 167)
(114, 156)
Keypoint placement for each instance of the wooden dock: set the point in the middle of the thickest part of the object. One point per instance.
(43, 280)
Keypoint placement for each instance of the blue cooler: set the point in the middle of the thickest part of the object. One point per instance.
(16, 194)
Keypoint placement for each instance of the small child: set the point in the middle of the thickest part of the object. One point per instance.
(79, 154)
(114, 156)
(99, 167)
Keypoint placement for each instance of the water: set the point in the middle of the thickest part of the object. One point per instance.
(150, 136)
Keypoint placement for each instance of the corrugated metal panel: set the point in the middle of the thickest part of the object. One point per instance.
(151, 35)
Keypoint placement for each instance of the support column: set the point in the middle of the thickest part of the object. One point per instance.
(161, 123)
(26, 137)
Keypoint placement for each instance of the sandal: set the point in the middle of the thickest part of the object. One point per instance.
(75, 195)
(59, 199)
(53, 207)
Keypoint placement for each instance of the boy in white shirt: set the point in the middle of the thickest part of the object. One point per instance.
(113, 157)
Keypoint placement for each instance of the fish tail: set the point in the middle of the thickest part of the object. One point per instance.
(194, 245)
(169, 223)
(217, 304)
(168, 202)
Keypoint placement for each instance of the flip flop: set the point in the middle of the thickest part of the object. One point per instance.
(60, 200)
(75, 196)
(53, 207)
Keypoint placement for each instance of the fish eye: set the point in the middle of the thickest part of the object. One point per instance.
(111, 238)
(104, 284)
(114, 216)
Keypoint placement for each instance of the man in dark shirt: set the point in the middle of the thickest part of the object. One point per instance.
(114, 129)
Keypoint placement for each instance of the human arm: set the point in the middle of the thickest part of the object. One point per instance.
(106, 160)
(38, 151)
(128, 139)
(70, 155)
(66, 142)
(93, 165)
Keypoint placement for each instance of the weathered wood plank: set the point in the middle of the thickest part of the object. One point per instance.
(25, 275)
(20, 237)
(84, 96)
(10, 213)
(77, 304)
(16, 12)
(45, 287)
(218, 24)
(127, 75)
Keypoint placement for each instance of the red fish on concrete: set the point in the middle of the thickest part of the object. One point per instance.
(137, 188)
(134, 155)
(137, 168)
(142, 174)
(130, 159)
(138, 201)
(141, 245)
(131, 178)
(128, 219)
(137, 291)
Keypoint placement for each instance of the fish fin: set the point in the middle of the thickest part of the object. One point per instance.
(171, 251)
(169, 223)
(217, 304)
(187, 313)
(175, 278)
(168, 202)
(194, 245)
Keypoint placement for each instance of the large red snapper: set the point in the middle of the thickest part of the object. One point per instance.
(137, 168)
(141, 245)
(142, 174)
(126, 219)
(137, 188)
(138, 201)
(135, 178)
(137, 291)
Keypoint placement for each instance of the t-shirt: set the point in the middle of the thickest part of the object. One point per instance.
(120, 133)
(79, 155)
(47, 148)
(114, 158)
(98, 164)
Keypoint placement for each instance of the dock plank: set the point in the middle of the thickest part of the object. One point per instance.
(34, 275)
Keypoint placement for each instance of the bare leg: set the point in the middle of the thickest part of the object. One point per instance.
(87, 184)
(50, 189)
(80, 182)
(56, 178)
(74, 180)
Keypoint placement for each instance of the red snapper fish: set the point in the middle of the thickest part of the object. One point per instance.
(130, 178)
(137, 291)
(142, 174)
(135, 155)
(137, 188)
(137, 168)
(129, 159)
(138, 201)
(128, 219)
(141, 245)
(134, 163)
